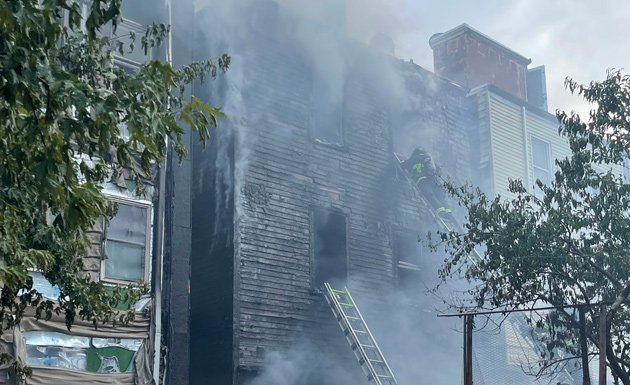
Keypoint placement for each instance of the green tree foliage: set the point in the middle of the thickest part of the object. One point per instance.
(63, 107)
(569, 243)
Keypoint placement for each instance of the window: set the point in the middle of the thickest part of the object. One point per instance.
(541, 160)
(329, 248)
(327, 107)
(127, 243)
(408, 252)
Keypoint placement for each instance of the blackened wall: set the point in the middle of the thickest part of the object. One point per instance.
(212, 260)
(439, 117)
(178, 227)
(286, 173)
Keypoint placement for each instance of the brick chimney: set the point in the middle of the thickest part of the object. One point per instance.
(470, 58)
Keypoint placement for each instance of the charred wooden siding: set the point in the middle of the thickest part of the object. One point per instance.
(279, 174)
(439, 117)
(286, 174)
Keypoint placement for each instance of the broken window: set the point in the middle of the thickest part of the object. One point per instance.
(408, 252)
(127, 243)
(327, 109)
(329, 248)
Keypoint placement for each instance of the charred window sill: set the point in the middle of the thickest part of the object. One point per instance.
(337, 145)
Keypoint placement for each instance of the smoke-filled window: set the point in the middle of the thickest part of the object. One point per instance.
(408, 253)
(329, 248)
(327, 109)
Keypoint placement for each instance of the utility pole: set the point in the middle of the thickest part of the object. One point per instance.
(468, 331)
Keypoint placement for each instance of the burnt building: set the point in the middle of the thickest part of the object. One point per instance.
(326, 171)
(302, 186)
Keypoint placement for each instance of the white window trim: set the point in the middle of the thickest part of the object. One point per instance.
(549, 169)
(147, 248)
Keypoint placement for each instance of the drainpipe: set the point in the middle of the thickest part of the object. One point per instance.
(159, 268)
(157, 273)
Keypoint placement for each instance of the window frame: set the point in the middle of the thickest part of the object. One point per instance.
(549, 169)
(313, 264)
(400, 264)
(147, 247)
(313, 127)
(401, 268)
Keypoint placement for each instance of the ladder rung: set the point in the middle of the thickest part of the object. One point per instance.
(377, 361)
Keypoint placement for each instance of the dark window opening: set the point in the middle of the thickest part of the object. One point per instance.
(408, 251)
(327, 110)
(329, 248)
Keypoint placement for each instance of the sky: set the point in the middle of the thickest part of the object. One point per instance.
(576, 38)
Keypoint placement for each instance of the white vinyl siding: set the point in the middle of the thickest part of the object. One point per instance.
(511, 157)
(508, 160)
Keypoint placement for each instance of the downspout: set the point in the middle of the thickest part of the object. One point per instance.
(158, 271)
(159, 268)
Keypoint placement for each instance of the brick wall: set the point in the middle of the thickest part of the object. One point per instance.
(470, 60)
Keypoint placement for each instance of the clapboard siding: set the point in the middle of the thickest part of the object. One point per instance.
(512, 124)
(296, 173)
(508, 157)
(281, 174)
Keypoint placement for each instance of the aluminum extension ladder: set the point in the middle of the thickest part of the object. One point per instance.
(359, 336)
